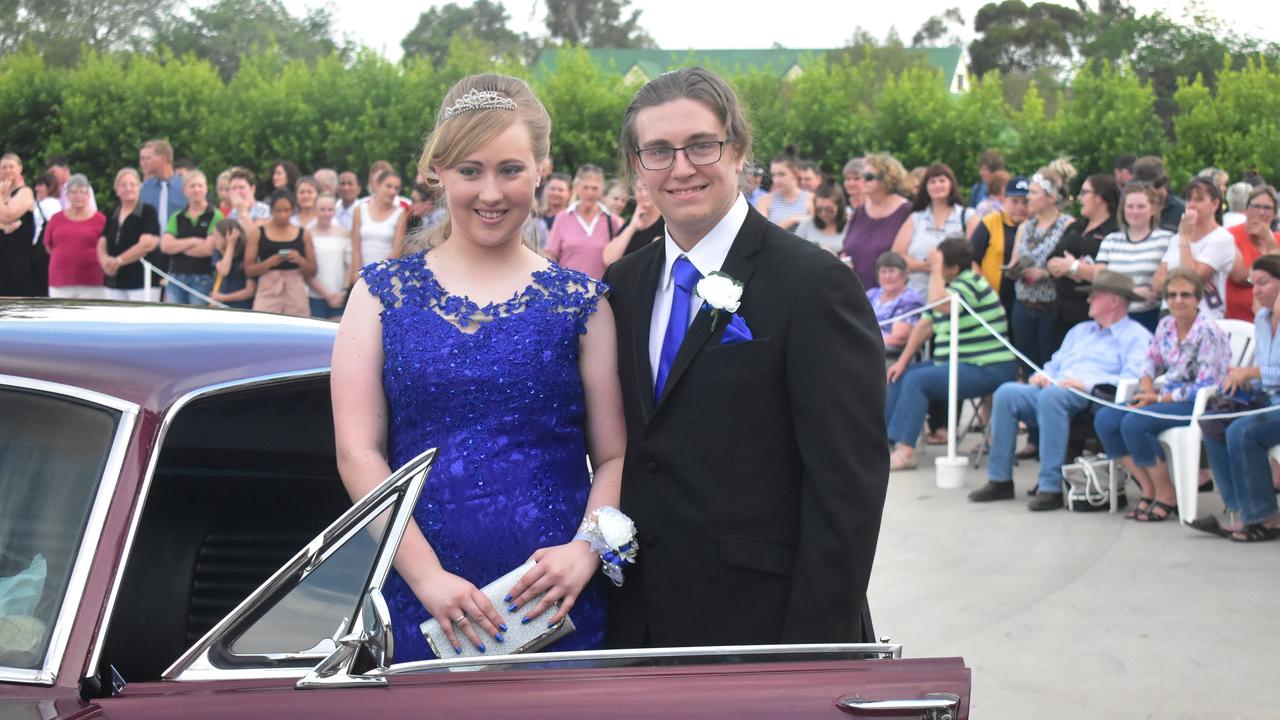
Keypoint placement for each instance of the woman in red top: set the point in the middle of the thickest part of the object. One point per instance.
(72, 239)
(1253, 240)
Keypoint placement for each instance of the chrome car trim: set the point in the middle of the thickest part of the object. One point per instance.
(107, 484)
(405, 483)
(892, 650)
(95, 654)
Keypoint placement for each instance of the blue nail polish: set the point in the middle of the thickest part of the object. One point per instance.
(512, 607)
(551, 625)
(502, 627)
(506, 599)
(525, 620)
(499, 638)
(457, 649)
(480, 647)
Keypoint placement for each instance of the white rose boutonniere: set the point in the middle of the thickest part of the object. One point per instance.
(720, 292)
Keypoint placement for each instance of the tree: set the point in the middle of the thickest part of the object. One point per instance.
(1015, 37)
(58, 29)
(228, 29)
(940, 30)
(1164, 52)
(484, 21)
(596, 23)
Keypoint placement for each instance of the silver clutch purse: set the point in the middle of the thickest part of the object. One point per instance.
(520, 637)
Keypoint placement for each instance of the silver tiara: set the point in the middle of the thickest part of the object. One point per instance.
(479, 100)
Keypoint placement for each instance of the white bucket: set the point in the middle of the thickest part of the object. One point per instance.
(951, 472)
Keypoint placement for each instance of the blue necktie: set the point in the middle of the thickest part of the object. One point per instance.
(686, 277)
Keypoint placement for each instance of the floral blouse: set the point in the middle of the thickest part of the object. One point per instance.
(1200, 360)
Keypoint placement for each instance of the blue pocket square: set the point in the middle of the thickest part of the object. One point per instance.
(736, 331)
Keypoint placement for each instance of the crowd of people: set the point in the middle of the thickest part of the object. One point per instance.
(1127, 287)
(1091, 285)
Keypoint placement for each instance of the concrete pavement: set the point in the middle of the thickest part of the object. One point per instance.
(1078, 615)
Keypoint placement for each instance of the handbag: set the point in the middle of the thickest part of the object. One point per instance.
(521, 637)
(1237, 401)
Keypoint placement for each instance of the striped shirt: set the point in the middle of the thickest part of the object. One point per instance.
(976, 346)
(1137, 259)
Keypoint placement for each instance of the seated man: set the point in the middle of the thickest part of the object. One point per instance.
(983, 362)
(1102, 350)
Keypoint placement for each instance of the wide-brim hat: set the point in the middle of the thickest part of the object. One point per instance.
(1112, 282)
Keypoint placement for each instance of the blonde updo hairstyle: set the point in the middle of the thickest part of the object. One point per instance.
(1058, 174)
(455, 138)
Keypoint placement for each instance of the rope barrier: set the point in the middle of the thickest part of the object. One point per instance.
(1100, 401)
(148, 269)
(913, 313)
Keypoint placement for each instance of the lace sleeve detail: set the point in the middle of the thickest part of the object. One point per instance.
(390, 280)
(576, 294)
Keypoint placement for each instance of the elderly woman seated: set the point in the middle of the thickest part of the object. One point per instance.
(984, 362)
(894, 299)
(1239, 459)
(1191, 352)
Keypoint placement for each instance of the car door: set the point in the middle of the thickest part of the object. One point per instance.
(314, 641)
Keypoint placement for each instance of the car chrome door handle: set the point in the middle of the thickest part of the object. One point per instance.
(934, 706)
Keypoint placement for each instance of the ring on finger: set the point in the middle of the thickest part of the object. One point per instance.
(460, 619)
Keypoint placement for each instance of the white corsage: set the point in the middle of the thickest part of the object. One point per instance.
(720, 291)
(613, 536)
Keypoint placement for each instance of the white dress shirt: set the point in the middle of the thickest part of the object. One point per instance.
(707, 256)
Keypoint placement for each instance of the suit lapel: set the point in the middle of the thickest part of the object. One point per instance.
(640, 339)
(737, 266)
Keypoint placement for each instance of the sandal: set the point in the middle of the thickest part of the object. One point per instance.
(1030, 452)
(1151, 516)
(1144, 504)
(936, 437)
(1208, 524)
(1255, 532)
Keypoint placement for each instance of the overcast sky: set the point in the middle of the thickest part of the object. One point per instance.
(709, 24)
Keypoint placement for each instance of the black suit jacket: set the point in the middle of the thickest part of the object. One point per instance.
(758, 480)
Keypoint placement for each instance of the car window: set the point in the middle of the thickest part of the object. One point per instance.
(296, 617)
(323, 602)
(53, 452)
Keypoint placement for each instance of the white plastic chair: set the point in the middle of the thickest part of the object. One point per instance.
(1183, 442)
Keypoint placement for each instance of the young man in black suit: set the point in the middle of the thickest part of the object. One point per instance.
(756, 459)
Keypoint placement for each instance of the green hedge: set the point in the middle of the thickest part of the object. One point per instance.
(347, 114)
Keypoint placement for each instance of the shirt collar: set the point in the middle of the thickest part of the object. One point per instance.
(709, 253)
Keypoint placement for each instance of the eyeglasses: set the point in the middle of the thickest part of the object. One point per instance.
(1085, 191)
(1264, 208)
(869, 176)
(1180, 296)
(699, 153)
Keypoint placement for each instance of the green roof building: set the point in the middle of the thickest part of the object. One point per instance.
(641, 65)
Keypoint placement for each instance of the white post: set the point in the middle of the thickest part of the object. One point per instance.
(950, 469)
(146, 280)
(953, 402)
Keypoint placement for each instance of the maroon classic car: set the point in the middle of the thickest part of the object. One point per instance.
(175, 542)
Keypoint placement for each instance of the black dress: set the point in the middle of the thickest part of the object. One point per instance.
(20, 267)
(1071, 307)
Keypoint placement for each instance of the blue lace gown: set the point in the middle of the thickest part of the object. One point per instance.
(498, 391)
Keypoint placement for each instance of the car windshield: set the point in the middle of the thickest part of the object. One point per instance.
(53, 451)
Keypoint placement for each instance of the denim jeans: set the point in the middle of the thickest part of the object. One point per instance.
(1241, 468)
(1051, 409)
(175, 295)
(1034, 332)
(1125, 433)
(909, 397)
